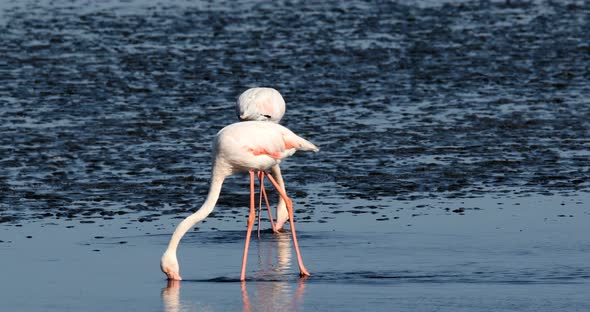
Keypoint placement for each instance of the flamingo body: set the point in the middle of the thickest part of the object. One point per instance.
(257, 145)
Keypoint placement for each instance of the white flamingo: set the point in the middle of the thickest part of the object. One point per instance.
(242, 147)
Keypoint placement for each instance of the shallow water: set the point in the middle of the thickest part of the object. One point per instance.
(529, 254)
(453, 171)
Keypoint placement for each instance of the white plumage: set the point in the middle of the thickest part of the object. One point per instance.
(261, 104)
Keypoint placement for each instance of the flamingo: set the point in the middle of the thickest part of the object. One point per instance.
(242, 147)
(265, 104)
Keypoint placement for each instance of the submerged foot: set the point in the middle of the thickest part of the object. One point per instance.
(303, 272)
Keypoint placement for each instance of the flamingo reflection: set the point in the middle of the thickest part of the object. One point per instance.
(171, 296)
(272, 289)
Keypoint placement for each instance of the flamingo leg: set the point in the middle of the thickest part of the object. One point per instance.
(302, 270)
(259, 203)
(263, 193)
(251, 218)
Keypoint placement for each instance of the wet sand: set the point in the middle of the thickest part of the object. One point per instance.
(109, 109)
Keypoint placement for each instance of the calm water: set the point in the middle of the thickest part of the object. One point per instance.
(451, 133)
(511, 255)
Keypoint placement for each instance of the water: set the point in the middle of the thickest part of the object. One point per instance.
(525, 254)
(434, 120)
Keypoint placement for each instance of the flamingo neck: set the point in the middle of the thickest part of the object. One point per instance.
(214, 190)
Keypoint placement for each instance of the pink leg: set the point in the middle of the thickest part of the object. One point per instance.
(259, 204)
(250, 224)
(263, 193)
(302, 270)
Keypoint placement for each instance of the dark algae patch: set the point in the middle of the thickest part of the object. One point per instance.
(110, 110)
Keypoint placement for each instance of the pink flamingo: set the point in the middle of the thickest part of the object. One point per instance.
(241, 147)
(265, 104)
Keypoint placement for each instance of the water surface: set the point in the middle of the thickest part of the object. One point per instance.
(110, 108)
(453, 172)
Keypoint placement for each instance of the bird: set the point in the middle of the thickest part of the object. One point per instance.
(265, 104)
(242, 147)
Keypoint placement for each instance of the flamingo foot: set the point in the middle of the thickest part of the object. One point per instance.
(303, 272)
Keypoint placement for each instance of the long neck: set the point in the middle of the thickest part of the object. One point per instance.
(217, 179)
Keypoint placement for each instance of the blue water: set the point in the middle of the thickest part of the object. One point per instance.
(528, 254)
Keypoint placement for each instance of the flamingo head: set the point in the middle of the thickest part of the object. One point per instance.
(169, 265)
